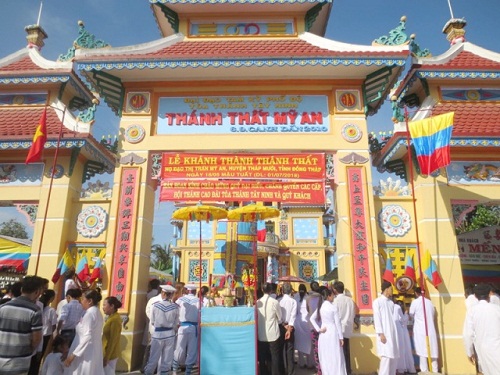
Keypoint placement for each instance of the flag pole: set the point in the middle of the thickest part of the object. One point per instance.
(419, 257)
(54, 163)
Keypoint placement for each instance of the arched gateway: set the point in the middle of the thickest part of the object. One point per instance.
(240, 102)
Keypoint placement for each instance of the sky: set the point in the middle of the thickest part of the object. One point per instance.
(129, 22)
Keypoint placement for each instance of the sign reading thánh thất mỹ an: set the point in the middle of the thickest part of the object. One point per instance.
(248, 166)
(306, 114)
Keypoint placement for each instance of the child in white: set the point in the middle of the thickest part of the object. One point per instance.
(53, 364)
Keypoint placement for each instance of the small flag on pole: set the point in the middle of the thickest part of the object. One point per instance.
(410, 268)
(388, 274)
(82, 268)
(39, 139)
(96, 271)
(431, 139)
(261, 230)
(65, 264)
(429, 267)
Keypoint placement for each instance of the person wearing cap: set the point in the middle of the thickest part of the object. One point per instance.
(385, 328)
(165, 320)
(420, 320)
(483, 330)
(187, 338)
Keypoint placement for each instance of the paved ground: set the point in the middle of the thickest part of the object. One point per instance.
(298, 371)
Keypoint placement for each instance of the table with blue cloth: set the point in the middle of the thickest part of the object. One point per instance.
(228, 340)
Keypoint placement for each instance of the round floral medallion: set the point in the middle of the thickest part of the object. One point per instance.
(134, 134)
(58, 171)
(351, 133)
(394, 220)
(91, 221)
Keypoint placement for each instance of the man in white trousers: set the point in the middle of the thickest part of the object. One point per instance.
(165, 320)
(385, 328)
(483, 329)
(347, 312)
(187, 338)
(419, 334)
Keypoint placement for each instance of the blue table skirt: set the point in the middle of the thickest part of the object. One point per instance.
(228, 341)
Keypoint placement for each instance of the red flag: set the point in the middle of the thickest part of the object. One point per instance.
(388, 275)
(410, 268)
(261, 231)
(39, 139)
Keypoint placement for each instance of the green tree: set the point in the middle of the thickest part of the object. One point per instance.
(161, 257)
(484, 216)
(13, 228)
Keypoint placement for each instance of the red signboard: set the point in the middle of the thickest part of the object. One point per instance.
(360, 240)
(127, 212)
(247, 166)
(312, 192)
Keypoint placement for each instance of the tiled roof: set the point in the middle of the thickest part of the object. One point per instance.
(465, 60)
(237, 49)
(24, 64)
(21, 123)
(472, 119)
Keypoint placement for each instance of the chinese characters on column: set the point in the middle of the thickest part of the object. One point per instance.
(359, 233)
(123, 242)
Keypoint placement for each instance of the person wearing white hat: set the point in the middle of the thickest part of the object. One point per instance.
(187, 338)
(165, 320)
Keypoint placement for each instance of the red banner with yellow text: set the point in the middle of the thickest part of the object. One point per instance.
(247, 166)
(230, 190)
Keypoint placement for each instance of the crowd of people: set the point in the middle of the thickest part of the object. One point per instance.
(316, 325)
(73, 339)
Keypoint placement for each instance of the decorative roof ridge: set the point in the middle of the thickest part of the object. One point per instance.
(138, 49)
(43, 63)
(454, 51)
(71, 122)
(13, 57)
(334, 45)
(36, 58)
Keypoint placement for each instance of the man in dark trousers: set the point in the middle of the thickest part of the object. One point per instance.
(288, 313)
(269, 333)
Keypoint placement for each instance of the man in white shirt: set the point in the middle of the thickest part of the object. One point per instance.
(385, 328)
(494, 298)
(288, 313)
(186, 348)
(153, 291)
(164, 317)
(347, 312)
(422, 320)
(269, 333)
(483, 329)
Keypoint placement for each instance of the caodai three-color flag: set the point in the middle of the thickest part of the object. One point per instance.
(431, 139)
